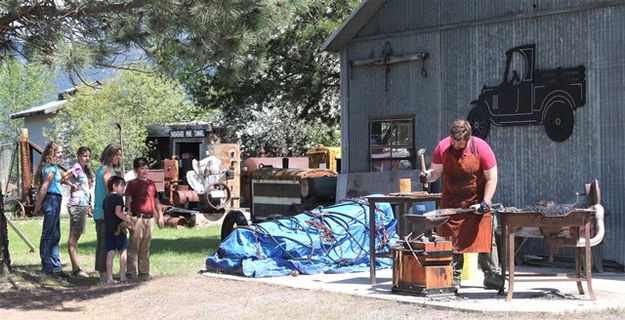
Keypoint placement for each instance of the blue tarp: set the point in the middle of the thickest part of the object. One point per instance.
(334, 239)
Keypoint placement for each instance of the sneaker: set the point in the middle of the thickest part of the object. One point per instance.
(493, 281)
(456, 284)
(80, 274)
(144, 277)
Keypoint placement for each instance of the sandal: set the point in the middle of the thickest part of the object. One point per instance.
(80, 274)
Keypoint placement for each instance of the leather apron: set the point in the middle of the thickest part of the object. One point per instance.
(463, 186)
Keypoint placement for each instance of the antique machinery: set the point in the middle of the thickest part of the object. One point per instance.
(27, 153)
(325, 158)
(279, 191)
(252, 164)
(212, 185)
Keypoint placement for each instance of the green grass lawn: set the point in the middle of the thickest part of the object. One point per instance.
(173, 251)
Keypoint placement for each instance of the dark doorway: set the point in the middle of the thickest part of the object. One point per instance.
(160, 152)
(187, 151)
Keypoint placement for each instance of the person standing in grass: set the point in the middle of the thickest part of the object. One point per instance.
(113, 207)
(80, 178)
(143, 203)
(110, 159)
(48, 176)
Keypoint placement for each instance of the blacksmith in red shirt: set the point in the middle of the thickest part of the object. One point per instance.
(468, 169)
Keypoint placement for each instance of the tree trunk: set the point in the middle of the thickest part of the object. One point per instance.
(5, 257)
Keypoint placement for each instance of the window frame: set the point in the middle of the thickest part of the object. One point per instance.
(410, 145)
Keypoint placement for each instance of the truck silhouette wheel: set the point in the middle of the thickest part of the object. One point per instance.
(559, 121)
(479, 122)
(231, 221)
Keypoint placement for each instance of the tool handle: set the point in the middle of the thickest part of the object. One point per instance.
(422, 157)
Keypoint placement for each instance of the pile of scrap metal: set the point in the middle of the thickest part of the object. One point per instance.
(268, 188)
(324, 240)
(556, 233)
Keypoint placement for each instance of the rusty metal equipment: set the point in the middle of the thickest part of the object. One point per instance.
(185, 198)
(252, 164)
(277, 191)
(216, 196)
(423, 265)
(555, 227)
(24, 203)
(325, 158)
(403, 202)
(170, 177)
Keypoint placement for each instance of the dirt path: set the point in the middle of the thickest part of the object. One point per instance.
(198, 297)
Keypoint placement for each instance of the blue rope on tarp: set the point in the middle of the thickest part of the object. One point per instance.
(333, 239)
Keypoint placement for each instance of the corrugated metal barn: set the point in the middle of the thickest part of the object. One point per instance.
(418, 65)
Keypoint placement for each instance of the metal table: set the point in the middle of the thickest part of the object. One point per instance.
(511, 221)
(404, 200)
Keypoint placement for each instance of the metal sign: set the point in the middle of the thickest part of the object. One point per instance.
(188, 133)
(528, 95)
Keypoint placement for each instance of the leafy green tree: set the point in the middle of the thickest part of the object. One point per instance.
(279, 131)
(191, 35)
(131, 99)
(22, 85)
(288, 71)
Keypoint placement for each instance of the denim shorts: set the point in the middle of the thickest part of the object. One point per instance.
(77, 219)
(116, 242)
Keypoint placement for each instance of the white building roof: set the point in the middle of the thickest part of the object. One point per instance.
(46, 108)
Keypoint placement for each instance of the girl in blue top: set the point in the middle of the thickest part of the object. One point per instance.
(49, 177)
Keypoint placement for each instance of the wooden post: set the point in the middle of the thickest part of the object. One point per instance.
(26, 165)
(5, 257)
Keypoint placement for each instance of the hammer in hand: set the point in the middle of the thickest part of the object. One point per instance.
(421, 154)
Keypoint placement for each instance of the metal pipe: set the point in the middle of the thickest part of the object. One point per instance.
(599, 214)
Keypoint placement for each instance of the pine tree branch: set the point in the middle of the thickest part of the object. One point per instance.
(26, 12)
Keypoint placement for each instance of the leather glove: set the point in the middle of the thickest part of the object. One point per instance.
(481, 207)
(426, 176)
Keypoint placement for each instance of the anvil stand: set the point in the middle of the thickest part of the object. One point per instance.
(403, 202)
(423, 265)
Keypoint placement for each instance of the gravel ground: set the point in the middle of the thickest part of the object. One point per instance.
(198, 297)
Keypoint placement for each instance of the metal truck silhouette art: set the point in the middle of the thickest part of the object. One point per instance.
(529, 96)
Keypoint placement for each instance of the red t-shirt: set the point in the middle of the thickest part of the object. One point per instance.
(483, 150)
(142, 193)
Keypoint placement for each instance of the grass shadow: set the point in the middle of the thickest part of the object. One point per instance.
(26, 288)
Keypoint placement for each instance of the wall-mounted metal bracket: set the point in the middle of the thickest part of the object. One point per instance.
(387, 59)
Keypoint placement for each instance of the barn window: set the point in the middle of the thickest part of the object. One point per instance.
(391, 144)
